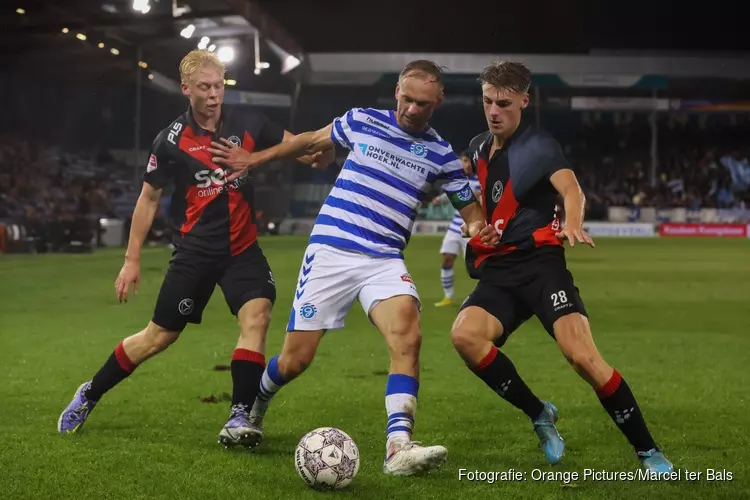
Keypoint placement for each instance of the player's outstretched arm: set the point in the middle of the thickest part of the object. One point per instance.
(143, 217)
(321, 159)
(566, 184)
(239, 160)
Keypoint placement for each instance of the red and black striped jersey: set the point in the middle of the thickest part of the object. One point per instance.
(517, 195)
(208, 215)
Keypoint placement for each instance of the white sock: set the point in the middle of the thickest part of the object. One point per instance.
(446, 275)
(401, 406)
(270, 383)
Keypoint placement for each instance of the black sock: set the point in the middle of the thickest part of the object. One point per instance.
(617, 398)
(498, 372)
(247, 370)
(116, 369)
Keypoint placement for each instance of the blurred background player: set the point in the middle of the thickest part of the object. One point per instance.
(522, 171)
(356, 247)
(453, 241)
(215, 239)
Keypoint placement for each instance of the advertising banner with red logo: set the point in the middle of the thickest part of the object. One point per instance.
(704, 230)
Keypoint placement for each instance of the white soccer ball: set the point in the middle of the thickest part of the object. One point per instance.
(327, 459)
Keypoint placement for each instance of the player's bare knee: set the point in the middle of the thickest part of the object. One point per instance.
(148, 342)
(448, 260)
(405, 338)
(161, 338)
(469, 337)
(256, 324)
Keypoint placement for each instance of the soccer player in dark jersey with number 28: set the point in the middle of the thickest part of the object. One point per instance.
(521, 170)
(215, 243)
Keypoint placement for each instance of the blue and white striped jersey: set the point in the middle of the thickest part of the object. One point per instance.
(457, 221)
(388, 172)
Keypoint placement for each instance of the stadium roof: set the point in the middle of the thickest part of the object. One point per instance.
(342, 34)
(75, 38)
(517, 26)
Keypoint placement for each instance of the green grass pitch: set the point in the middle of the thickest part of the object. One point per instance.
(673, 315)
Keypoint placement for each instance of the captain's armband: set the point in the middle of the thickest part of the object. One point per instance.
(463, 198)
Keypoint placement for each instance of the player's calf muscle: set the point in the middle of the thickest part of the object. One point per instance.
(298, 352)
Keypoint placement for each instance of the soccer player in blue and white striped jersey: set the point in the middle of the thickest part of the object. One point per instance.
(356, 246)
(454, 242)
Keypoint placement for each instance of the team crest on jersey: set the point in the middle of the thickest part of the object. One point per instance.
(464, 194)
(151, 163)
(234, 140)
(308, 311)
(407, 278)
(497, 191)
(418, 149)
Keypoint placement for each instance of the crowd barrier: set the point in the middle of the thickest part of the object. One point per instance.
(303, 227)
(13, 236)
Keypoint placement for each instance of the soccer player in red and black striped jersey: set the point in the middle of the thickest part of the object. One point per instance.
(522, 170)
(215, 239)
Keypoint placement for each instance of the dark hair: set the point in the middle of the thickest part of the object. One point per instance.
(466, 153)
(425, 67)
(508, 75)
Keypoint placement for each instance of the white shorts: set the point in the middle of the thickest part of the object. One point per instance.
(453, 243)
(330, 279)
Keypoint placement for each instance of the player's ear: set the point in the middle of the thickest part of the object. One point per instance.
(185, 90)
(398, 90)
(525, 101)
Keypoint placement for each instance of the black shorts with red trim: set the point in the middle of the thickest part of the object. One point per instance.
(526, 283)
(192, 277)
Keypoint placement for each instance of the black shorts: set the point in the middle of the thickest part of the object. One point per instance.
(537, 283)
(191, 279)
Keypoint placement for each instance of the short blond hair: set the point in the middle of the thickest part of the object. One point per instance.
(197, 59)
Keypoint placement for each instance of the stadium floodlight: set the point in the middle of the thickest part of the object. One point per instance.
(203, 43)
(143, 64)
(81, 36)
(65, 30)
(212, 47)
(101, 45)
(114, 51)
(231, 83)
(225, 54)
(142, 6)
(188, 31)
(20, 11)
(288, 61)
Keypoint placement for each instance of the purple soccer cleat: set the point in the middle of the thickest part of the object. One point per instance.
(74, 416)
(238, 430)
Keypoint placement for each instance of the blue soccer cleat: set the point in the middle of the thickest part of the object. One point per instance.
(654, 461)
(550, 441)
(238, 430)
(74, 416)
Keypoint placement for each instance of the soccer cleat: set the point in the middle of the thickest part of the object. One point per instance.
(411, 458)
(550, 441)
(447, 301)
(238, 430)
(257, 413)
(654, 461)
(74, 416)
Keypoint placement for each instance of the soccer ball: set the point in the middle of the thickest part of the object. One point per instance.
(326, 459)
